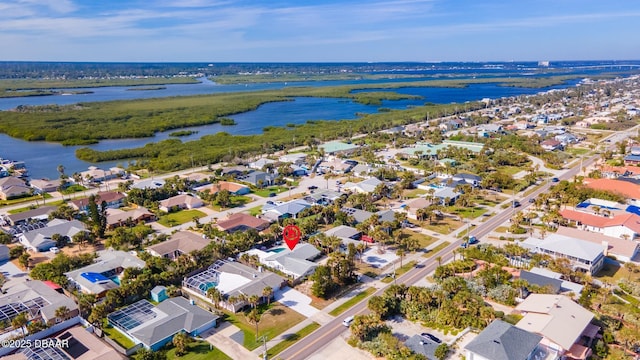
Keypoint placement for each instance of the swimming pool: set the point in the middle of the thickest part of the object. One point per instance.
(276, 250)
(115, 279)
(206, 286)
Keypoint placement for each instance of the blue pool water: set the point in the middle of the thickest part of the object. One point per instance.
(115, 279)
(207, 286)
(276, 250)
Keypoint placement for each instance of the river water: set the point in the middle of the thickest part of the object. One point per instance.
(42, 158)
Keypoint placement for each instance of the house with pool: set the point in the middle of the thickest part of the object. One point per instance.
(152, 327)
(236, 282)
(105, 273)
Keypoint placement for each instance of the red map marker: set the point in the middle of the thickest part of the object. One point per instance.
(291, 235)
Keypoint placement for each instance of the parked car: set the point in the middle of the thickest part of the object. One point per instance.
(54, 250)
(272, 194)
(473, 240)
(431, 337)
(312, 187)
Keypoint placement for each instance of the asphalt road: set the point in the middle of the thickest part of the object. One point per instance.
(322, 336)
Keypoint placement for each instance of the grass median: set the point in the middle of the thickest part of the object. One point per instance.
(354, 300)
(400, 271)
(436, 249)
(292, 339)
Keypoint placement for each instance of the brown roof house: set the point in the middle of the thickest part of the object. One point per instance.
(183, 201)
(182, 242)
(113, 199)
(242, 222)
(117, 217)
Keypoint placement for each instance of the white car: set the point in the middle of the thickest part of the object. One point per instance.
(54, 250)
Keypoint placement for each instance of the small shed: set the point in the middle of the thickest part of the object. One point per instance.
(159, 293)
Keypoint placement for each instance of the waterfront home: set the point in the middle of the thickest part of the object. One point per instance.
(564, 325)
(46, 185)
(113, 200)
(180, 243)
(104, 274)
(182, 201)
(40, 239)
(234, 281)
(242, 222)
(503, 341)
(11, 187)
(95, 174)
(155, 326)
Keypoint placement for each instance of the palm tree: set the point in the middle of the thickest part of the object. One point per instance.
(253, 300)
(254, 316)
(267, 292)
(180, 341)
(62, 313)
(215, 295)
(20, 321)
(400, 252)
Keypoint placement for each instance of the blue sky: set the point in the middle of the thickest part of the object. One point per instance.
(314, 31)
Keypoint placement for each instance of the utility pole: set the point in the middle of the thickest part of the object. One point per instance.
(264, 342)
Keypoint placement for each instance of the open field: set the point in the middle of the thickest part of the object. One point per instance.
(292, 339)
(354, 300)
(198, 350)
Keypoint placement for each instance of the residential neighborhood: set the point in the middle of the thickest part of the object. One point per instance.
(511, 231)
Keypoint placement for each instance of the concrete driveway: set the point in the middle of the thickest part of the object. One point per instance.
(296, 301)
(13, 274)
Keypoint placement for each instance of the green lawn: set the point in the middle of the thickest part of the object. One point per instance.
(73, 189)
(406, 267)
(255, 210)
(24, 199)
(117, 336)
(511, 170)
(180, 217)
(354, 300)
(436, 249)
(236, 201)
(467, 212)
(466, 231)
(273, 189)
(414, 193)
(199, 350)
(443, 226)
(278, 319)
(423, 240)
(292, 339)
(501, 229)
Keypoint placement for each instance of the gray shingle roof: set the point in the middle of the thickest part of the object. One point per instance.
(173, 315)
(541, 280)
(503, 341)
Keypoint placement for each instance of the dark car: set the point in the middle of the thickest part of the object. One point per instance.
(532, 200)
(516, 204)
(555, 179)
(431, 337)
(312, 187)
(272, 194)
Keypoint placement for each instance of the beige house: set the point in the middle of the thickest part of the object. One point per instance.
(183, 201)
